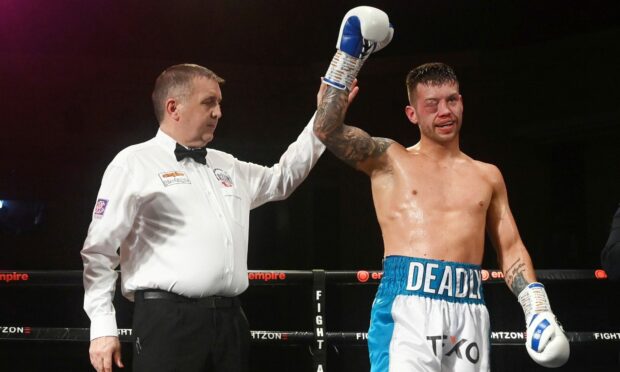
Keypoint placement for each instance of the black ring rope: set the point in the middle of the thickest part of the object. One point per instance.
(318, 339)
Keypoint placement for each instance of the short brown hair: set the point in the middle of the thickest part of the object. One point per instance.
(177, 80)
(434, 73)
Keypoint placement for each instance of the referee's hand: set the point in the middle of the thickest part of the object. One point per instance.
(103, 350)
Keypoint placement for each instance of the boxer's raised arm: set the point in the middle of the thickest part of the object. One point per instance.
(364, 30)
(350, 144)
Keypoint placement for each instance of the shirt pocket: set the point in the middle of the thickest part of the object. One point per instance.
(234, 203)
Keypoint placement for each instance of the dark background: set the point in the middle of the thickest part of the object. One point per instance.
(541, 86)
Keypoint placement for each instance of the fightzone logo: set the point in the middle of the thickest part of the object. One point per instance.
(124, 331)
(265, 335)
(13, 277)
(9, 330)
(267, 276)
(607, 336)
(461, 348)
(508, 336)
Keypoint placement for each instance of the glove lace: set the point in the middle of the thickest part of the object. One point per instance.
(534, 300)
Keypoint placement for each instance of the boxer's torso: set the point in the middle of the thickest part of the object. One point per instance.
(433, 208)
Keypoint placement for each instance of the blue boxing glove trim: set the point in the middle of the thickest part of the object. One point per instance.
(334, 84)
(351, 41)
(538, 334)
(363, 31)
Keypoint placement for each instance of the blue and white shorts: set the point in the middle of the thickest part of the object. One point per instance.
(429, 315)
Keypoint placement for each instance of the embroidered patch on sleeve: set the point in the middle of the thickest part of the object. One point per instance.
(100, 207)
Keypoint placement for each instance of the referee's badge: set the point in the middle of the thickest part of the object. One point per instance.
(173, 178)
(223, 177)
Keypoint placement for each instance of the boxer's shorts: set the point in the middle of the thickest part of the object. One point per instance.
(429, 315)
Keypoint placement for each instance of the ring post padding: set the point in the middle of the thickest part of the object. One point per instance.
(319, 354)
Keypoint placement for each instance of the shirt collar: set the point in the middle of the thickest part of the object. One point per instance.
(165, 141)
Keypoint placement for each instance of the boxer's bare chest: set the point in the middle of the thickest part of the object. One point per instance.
(421, 186)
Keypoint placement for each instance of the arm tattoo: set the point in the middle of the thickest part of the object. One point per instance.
(350, 144)
(514, 277)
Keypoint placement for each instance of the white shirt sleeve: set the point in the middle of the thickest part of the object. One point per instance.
(280, 180)
(113, 217)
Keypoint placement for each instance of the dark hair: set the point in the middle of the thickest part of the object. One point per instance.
(434, 73)
(177, 80)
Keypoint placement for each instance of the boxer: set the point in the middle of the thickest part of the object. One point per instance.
(434, 204)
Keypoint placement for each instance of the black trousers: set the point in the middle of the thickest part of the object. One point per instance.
(174, 333)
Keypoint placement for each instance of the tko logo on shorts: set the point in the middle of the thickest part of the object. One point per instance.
(444, 280)
(462, 348)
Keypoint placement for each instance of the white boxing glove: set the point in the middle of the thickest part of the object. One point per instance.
(546, 342)
(364, 30)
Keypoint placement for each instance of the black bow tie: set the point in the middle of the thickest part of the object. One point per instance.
(198, 154)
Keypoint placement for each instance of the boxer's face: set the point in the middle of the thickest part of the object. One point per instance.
(200, 111)
(437, 110)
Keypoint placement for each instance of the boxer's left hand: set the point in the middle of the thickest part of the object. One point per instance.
(546, 342)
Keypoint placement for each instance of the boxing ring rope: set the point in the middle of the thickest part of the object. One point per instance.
(318, 339)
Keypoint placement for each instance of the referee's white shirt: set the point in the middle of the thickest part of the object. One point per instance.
(181, 226)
